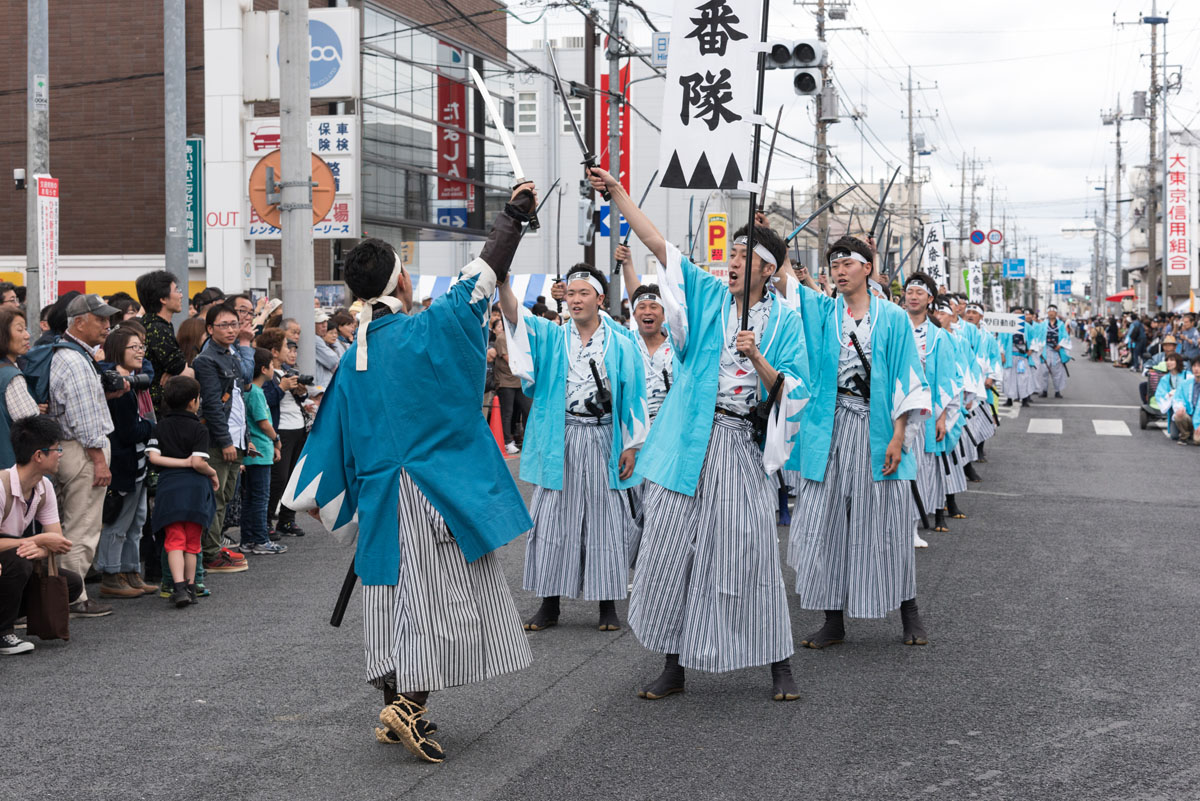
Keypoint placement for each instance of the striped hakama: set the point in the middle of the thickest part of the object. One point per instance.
(952, 470)
(980, 423)
(446, 622)
(1016, 384)
(852, 538)
(931, 480)
(708, 585)
(585, 534)
(1056, 370)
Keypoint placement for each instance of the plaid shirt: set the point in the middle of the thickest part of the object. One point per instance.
(76, 398)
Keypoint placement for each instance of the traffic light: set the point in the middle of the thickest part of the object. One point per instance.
(805, 56)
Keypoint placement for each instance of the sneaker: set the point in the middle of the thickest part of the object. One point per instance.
(90, 608)
(12, 644)
(201, 590)
(233, 555)
(227, 541)
(274, 536)
(289, 530)
(223, 564)
(918, 542)
(267, 547)
(512, 448)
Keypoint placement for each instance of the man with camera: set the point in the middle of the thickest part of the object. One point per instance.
(293, 432)
(77, 401)
(222, 410)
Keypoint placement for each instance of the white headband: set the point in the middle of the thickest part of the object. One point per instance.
(847, 254)
(918, 283)
(976, 306)
(762, 252)
(943, 306)
(364, 316)
(588, 277)
(648, 297)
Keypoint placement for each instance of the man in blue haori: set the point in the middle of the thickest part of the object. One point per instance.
(400, 456)
(852, 533)
(1056, 352)
(708, 591)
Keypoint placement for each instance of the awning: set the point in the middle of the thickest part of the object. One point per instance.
(1120, 296)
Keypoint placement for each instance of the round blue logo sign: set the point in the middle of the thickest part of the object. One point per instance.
(977, 237)
(324, 54)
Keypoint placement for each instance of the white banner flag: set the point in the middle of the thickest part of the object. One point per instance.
(997, 298)
(1180, 209)
(975, 281)
(47, 237)
(933, 259)
(712, 86)
(1002, 323)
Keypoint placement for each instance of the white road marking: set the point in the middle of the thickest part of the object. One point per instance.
(1111, 428)
(1045, 425)
(1002, 495)
(1090, 406)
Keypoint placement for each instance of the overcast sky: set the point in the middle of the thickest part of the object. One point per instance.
(1019, 84)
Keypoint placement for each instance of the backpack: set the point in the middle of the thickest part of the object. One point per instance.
(36, 366)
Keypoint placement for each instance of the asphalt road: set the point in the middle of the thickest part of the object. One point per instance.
(1062, 665)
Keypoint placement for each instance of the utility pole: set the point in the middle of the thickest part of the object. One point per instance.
(1102, 272)
(589, 114)
(615, 96)
(962, 216)
(296, 165)
(1166, 300)
(991, 218)
(37, 141)
(822, 148)
(1117, 210)
(913, 221)
(175, 144)
(1151, 180)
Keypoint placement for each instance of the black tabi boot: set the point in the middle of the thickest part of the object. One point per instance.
(972, 476)
(608, 616)
(1058, 395)
(785, 514)
(939, 521)
(982, 459)
(403, 719)
(546, 615)
(914, 629)
(953, 510)
(832, 633)
(669, 682)
(1026, 402)
(783, 686)
(1043, 393)
(1007, 402)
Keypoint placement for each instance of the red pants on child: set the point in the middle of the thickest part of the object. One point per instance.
(183, 537)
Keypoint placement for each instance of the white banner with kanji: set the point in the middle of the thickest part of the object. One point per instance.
(712, 87)
(47, 236)
(933, 258)
(997, 298)
(975, 281)
(1180, 209)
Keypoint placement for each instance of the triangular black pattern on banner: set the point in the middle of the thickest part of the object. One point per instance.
(733, 175)
(674, 178)
(702, 177)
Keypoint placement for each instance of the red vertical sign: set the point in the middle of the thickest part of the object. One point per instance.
(624, 79)
(451, 142)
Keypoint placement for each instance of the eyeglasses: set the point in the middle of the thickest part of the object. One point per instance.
(136, 346)
(51, 450)
(230, 324)
(13, 301)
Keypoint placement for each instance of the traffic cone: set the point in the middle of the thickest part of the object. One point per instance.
(494, 424)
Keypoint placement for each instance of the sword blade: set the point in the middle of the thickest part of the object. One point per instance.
(882, 200)
(498, 121)
(762, 201)
(588, 156)
(818, 213)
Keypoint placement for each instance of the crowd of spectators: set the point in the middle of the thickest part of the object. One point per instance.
(142, 457)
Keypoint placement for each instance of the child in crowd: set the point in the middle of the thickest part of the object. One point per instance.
(184, 504)
(263, 453)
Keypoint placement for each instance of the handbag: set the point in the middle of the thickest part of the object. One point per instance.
(47, 602)
(113, 501)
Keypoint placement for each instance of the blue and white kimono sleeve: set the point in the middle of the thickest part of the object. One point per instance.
(1164, 393)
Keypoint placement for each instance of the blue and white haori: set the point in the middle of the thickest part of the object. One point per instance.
(942, 376)
(585, 531)
(1056, 353)
(851, 539)
(708, 584)
(1019, 368)
(424, 490)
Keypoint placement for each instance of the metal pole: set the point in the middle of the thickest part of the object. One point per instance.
(37, 143)
(296, 208)
(1120, 278)
(175, 141)
(614, 154)
(822, 149)
(1152, 200)
(1166, 300)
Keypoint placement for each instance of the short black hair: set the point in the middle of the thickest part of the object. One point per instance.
(31, 434)
(766, 236)
(7, 286)
(178, 391)
(216, 310)
(645, 289)
(57, 318)
(262, 360)
(153, 288)
(852, 244)
(584, 267)
(927, 280)
(368, 267)
(45, 311)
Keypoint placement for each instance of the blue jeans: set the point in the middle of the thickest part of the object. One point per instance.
(119, 548)
(256, 482)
